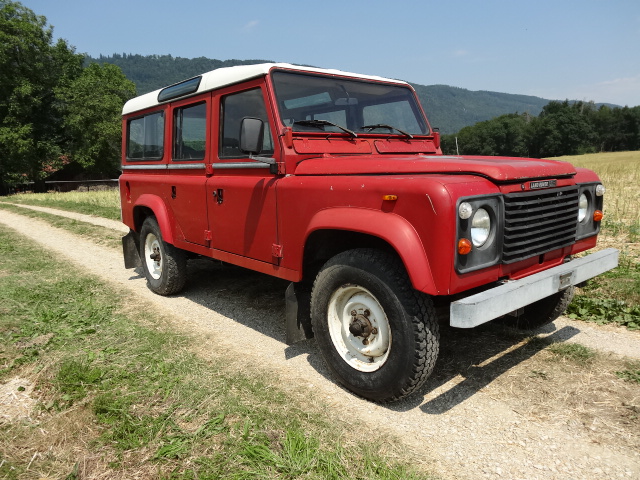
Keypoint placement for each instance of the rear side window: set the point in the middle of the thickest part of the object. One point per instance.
(145, 137)
(190, 130)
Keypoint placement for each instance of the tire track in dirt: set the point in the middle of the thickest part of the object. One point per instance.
(452, 425)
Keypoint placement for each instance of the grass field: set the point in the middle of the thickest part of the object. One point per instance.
(114, 393)
(620, 174)
(103, 203)
(615, 296)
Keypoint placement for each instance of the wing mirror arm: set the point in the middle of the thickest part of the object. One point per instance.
(251, 141)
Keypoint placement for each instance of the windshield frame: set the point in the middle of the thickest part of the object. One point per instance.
(343, 100)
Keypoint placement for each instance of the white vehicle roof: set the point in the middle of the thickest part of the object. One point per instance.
(222, 77)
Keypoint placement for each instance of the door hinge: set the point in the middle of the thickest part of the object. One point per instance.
(276, 250)
(207, 237)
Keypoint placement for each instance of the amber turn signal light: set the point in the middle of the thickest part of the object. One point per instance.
(597, 215)
(464, 246)
(391, 198)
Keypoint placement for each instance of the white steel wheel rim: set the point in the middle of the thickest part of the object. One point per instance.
(151, 247)
(365, 354)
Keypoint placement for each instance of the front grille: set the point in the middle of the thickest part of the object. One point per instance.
(538, 222)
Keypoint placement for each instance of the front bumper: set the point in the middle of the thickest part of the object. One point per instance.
(483, 307)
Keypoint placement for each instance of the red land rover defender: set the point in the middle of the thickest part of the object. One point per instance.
(336, 182)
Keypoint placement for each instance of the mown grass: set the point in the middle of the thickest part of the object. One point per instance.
(97, 234)
(120, 395)
(102, 203)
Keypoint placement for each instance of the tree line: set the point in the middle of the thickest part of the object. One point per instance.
(54, 110)
(562, 128)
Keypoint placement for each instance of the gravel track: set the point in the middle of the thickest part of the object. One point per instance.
(460, 433)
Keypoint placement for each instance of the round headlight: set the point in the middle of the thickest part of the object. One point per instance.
(480, 227)
(465, 210)
(583, 206)
(600, 190)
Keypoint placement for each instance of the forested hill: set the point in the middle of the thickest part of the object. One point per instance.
(448, 108)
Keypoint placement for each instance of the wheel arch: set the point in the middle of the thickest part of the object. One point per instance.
(335, 230)
(151, 205)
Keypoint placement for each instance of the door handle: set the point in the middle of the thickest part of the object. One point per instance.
(218, 195)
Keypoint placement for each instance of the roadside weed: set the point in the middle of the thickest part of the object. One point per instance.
(573, 351)
(631, 373)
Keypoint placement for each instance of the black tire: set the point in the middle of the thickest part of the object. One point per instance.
(542, 312)
(385, 363)
(166, 273)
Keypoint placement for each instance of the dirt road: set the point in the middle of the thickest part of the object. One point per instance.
(470, 421)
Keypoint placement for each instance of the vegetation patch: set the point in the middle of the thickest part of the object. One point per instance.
(119, 392)
(631, 373)
(573, 351)
(97, 234)
(102, 203)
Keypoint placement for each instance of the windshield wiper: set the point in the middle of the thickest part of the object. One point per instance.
(388, 127)
(322, 123)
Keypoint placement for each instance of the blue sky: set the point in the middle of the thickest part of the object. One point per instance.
(555, 49)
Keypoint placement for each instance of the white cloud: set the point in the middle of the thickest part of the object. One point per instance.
(619, 91)
(250, 26)
(624, 91)
(460, 53)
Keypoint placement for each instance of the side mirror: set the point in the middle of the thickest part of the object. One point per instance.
(251, 135)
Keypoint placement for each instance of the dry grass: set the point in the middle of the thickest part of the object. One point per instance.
(620, 174)
(556, 384)
(587, 396)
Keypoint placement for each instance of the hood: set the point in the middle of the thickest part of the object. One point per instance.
(499, 169)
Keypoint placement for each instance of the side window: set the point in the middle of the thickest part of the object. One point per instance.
(145, 137)
(235, 107)
(189, 132)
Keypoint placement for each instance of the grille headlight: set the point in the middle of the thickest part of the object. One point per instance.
(583, 207)
(480, 227)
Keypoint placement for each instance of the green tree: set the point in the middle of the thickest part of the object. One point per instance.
(564, 128)
(93, 116)
(32, 68)
(505, 135)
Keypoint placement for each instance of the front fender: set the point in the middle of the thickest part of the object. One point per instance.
(393, 229)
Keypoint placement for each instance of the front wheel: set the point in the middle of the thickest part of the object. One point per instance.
(543, 311)
(377, 334)
(165, 266)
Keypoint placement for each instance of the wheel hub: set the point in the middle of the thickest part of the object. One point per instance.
(360, 325)
(155, 256)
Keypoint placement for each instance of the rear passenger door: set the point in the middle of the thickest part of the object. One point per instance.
(185, 190)
(241, 192)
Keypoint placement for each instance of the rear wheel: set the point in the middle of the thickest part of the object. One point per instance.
(377, 334)
(165, 266)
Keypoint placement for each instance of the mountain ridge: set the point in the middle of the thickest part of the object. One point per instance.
(448, 108)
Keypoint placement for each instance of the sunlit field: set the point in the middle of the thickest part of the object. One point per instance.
(103, 202)
(620, 174)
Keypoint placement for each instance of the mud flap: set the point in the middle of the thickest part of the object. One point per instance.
(130, 250)
(298, 313)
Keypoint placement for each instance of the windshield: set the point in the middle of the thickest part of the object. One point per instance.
(313, 103)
